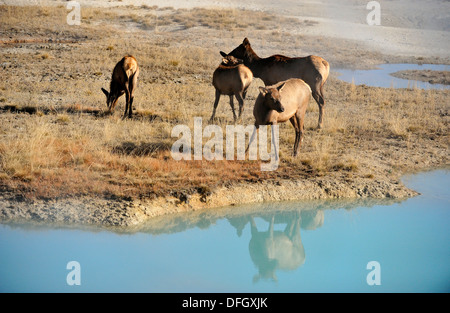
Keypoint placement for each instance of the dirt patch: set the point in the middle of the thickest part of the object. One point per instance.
(429, 76)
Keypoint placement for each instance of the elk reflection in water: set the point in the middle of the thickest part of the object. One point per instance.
(271, 249)
(271, 231)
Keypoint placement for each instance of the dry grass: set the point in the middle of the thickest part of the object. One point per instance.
(57, 141)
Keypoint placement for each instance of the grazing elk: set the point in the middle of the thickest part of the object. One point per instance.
(123, 80)
(283, 101)
(231, 78)
(312, 69)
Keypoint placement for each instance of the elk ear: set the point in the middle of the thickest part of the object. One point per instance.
(281, 86)
(263, 90)
(105, 92)
(223, 54)
(246, 42)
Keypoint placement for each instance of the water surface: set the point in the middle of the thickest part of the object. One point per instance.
(278, 247)
(380, 77)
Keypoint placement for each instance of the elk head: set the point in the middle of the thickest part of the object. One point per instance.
(244, 52)
(230, 60)
(272, 97)
(112, 97)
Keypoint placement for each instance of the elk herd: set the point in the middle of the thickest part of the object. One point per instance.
(289, 85)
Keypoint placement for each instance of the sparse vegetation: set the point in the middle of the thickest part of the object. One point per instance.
(57, 141)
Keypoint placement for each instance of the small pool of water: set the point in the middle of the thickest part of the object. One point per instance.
(279, 247)
(381, 77)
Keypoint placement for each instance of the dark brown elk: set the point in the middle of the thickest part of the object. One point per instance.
(312, 69)
(231, 78)
(281, 102)
(123, 80)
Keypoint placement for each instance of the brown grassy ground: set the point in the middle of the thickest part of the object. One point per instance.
(56, 141)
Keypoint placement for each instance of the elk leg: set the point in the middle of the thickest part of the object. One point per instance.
(130, 109)
(216, 102)
(113, 104)
(254, 229)
(131, 87)
(272, 222)
(289, 229)
(301, 122)
(252, 137)
(296, 144)
(274, 141)
(232, 108)
(295, 122)
(244, 93)
(321, 103)
(297, 226)
(127, 95)
(241, 103)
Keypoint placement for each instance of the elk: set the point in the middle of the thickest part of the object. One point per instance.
(123, 80)
(314, 70)
(273, 249)
(231, 78)
(286, 100)
(229, 60)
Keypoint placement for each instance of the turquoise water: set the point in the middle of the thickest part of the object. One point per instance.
(278, 247)
(381, 77)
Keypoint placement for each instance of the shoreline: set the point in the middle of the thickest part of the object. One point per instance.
(119, 214)
(162, 215)
(428, 76)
